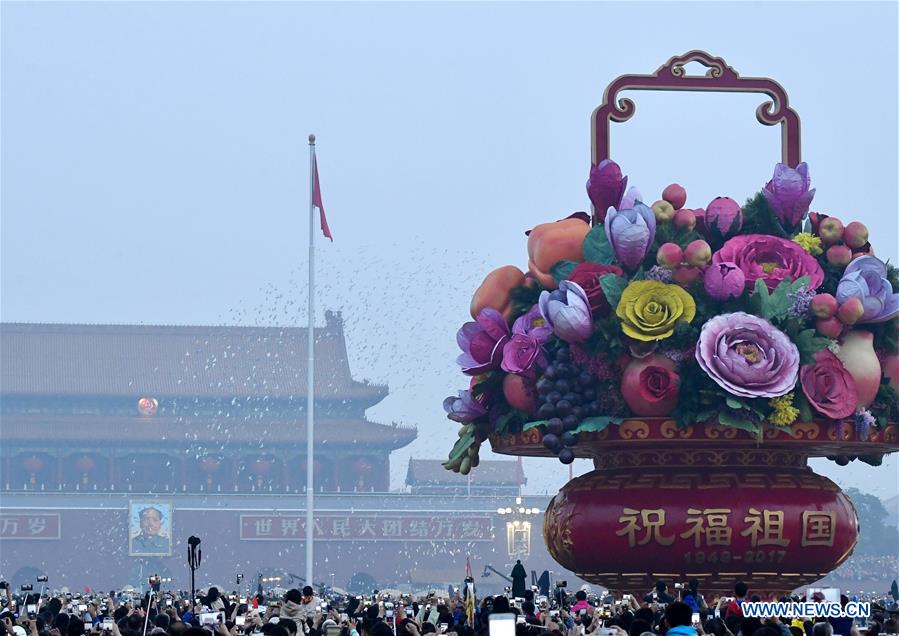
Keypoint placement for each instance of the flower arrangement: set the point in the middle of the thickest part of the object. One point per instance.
(751, 316)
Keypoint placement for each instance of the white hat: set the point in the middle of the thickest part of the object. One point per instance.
(19, 630)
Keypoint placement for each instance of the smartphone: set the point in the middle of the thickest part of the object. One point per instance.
(82, 607)
(107, 624)
(240, 621)
(502, 624)
(343, 618)
(553, 613)
(208, 618)
(582, 612)
(519, 620)
(695, 620)
(88, 626)
(31, 608)
(388, 613)
(442, 627)
(262, 609)
(332, 630)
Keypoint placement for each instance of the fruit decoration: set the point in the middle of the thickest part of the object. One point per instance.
(754, 316)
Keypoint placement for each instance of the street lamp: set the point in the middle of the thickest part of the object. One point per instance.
(518, 528)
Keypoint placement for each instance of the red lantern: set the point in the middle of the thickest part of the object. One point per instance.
(147, 406)
(209, 465)
(33, 465)
(85, 464)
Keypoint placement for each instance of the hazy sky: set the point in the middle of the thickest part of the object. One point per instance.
(154, 157)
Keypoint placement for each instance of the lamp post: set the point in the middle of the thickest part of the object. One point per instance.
(518, 529)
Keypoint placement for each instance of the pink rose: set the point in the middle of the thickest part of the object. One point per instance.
(828, 386)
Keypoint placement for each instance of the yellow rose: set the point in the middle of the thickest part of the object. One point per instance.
(650, 310)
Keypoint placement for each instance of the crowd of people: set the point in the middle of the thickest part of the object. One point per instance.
(683, 611)
(866, 568)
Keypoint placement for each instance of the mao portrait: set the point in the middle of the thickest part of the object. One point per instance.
(149, 528)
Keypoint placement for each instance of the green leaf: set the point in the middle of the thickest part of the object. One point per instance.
(533, 424)
(596, 424)
(727, 419)
(735, 403)
(461, 446)
(771, 305)
(805, 409)
(596, 246)
(612, 286)
(502, 422)
(809, 344)
(562, 270)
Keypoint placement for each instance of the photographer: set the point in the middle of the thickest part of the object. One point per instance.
(693, 598)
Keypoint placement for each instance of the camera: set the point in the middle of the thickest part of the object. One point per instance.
(678, 586)
(42, 578)
(28, 587)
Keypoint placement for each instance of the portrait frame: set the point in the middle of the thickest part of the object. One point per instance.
(137, 544)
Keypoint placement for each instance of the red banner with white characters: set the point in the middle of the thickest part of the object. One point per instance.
(29, 526)
(367, 527)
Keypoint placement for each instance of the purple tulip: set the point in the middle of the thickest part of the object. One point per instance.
(788, 194)
(605, 187)
(630, 233)
(482, 342)
(723, 281)
(567, 311)
(463, 409)
(865, 278)
(724, 215)
(748, 356)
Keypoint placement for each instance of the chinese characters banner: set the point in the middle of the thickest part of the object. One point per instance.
(370, 527)
(29, 526)
(690, 524)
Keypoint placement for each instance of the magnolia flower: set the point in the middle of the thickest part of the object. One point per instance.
(865, 278)
(463, 409)
(482, 342)
(605, 187)
(631, 232)
(788, 194)
(567, 311)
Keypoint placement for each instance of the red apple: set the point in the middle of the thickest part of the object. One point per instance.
(676, 195)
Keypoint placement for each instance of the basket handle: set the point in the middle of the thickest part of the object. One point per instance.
(720, 77)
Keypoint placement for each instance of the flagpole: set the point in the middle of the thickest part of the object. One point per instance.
(310, 376)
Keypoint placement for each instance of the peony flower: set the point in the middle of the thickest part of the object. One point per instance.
(724, 281)
(520, 353)
(650, 310)
(567, 311)
(770, 259)
(482, 342)
(747, 356)
(631, 232)
(464, 409)
(605, 187)
(828, 386)
(724, 215)
(865, 278)
(788, 194)
(587, 276)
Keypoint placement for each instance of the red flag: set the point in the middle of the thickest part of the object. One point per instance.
(317, 199)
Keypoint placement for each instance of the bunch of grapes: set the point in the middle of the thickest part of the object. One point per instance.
(567, 394)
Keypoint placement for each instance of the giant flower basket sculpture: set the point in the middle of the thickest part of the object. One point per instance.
(699, 357)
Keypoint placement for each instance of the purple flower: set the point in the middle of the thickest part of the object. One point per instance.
(747, 356)
(482, 342)
(463, 409)
(724, 280)
(724, 215)
(630, 233)
(865, 278)
(532, 323)
(567, 311)
(605, 187)
(864, 420)
(520, 353)
(659, 273)
(788, 194)
(800, 303)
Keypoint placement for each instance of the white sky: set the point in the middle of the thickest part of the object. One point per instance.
(154, 158)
